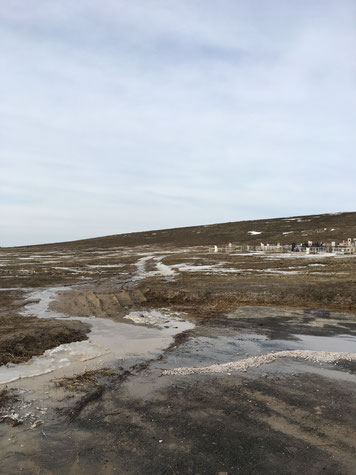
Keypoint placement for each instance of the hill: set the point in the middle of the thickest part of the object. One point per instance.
(323, 227)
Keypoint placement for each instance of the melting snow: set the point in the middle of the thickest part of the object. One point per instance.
(105, 265)
(256, 361)
(155, 318)
(205, 268)
(59, 357)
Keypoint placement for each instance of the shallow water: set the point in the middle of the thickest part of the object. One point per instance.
(337, 343)
(108, 341)
(205, 351)
(60, 357)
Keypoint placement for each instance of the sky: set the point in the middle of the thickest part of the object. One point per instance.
(120, 116)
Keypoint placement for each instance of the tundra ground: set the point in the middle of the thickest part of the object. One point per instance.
(128, 413)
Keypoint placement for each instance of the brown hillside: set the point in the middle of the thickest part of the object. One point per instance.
(324, 227)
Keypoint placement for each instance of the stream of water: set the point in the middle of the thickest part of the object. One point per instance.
(108, 341)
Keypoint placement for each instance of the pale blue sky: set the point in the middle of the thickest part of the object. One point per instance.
(124, 116)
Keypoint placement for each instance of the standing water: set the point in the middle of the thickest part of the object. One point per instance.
(108, 341)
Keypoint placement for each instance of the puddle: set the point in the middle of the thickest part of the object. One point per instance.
(339, 343)
(108, 341)
(249, 350)
(60, 357)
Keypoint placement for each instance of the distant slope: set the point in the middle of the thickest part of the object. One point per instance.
(324, 227)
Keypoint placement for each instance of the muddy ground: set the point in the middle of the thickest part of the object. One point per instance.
(290, 416)
(21, 338)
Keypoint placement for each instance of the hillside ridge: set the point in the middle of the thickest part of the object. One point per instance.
(321, 227)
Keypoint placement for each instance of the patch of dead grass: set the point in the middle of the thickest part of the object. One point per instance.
(83, 381)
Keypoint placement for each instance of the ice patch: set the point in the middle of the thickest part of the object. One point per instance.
(278, 271)
(99, 266)
(303, 255)
(256, 361)
(160, 319)
(161, 268)
(164, 270)
(206, 268)
(59, 357)
(71, 269)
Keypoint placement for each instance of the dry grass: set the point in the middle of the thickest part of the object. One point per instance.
(22, 338)
(7, 398)
(84, 381)
(4, 398)
(91, 382)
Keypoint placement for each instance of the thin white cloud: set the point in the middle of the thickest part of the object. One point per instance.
(113, 115)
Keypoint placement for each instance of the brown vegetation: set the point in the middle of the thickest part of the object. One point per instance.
(21, 338)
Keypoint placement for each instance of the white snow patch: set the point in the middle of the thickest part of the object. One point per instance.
(154, 317)
(303, 255)
(71, 269)
(105, 265)
(255, 361)
(213, 268)
(254, 233)
(163, 269)
(278, 271)
(252, 253)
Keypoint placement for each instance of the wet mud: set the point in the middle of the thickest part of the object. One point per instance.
(285, 417)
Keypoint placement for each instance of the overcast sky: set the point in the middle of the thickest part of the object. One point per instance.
(119, 116)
